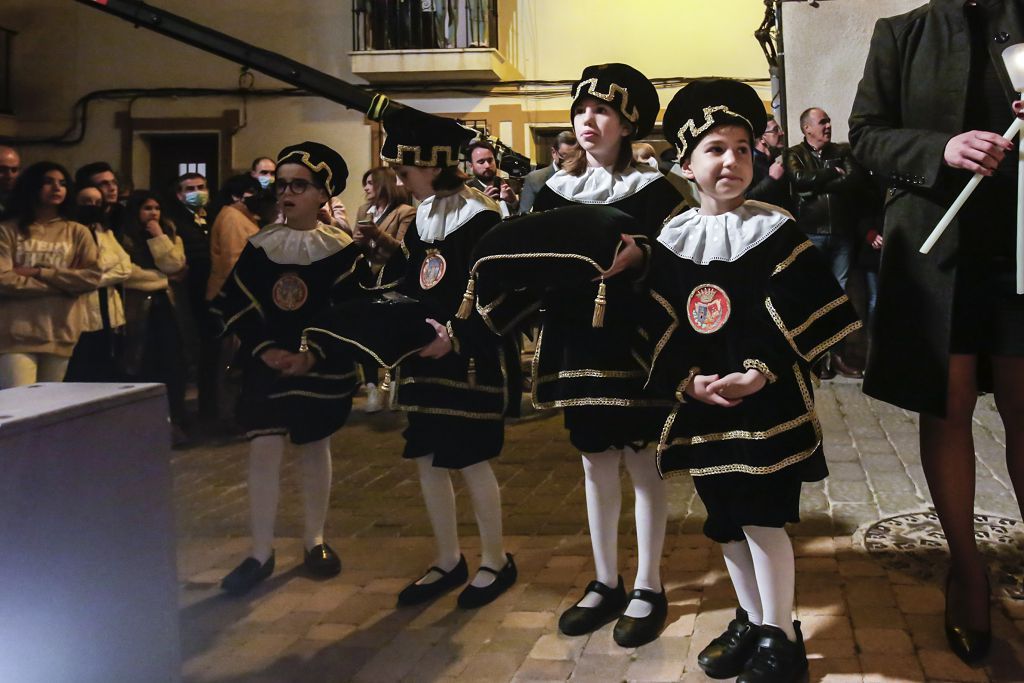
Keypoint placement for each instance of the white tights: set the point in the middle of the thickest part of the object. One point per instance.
(763, 574)
(604, 504)
(265, 455)
(439, 497)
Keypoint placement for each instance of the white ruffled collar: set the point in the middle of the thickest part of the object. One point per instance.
(599, 185)
(438, 217)
(726, 237)
(283, 245)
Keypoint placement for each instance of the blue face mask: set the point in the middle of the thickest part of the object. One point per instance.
(265, 181)
(196, 199)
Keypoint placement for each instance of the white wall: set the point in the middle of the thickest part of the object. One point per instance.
(826, 47)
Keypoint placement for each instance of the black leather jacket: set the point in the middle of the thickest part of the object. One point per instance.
(826, 199)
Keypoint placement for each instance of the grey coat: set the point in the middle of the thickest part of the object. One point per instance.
(909, 104)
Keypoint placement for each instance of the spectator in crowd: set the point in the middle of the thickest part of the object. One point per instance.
(97, 353)
(770, 184)
(446, 21)
(234, 224)
(868, 256)
(153, 344)
(188, 214)
(484, 165)
(334, 213)
(380, 228)
(643, 153)
(564, 143)
(829, 184)
(99, 174)
(10, 165)
(930, 112)
(478, 22)
(263, 170)
(47, 263)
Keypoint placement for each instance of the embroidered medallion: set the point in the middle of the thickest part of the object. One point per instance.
(289, 292)
(708, 308)
(433, 269)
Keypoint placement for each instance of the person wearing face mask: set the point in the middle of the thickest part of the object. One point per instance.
(189, 214)
(263, 169)
(96, 354)
(235, 222)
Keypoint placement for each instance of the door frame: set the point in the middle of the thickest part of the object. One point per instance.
(224, 125)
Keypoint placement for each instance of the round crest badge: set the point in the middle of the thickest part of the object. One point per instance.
(289, 292)
(708, 308)
(433, 269)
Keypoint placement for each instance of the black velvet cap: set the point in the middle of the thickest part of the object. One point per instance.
(415, 138)
(624, 88)
(326, 165)
(703, 104)
(382, 330)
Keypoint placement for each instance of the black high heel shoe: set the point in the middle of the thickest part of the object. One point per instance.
(970, 645)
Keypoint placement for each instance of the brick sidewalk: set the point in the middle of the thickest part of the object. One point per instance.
(865, 618)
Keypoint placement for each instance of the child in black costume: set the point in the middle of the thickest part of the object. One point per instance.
(286, 275)
(746, 306)
(460, 388)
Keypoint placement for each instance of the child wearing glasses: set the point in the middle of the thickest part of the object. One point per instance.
(287, 273)
(746, 305)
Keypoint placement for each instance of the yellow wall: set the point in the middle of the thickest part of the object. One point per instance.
(64, 50)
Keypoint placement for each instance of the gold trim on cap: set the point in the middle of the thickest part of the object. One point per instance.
(453, 158)
(315, 168)
(709, 120)
(591, 85)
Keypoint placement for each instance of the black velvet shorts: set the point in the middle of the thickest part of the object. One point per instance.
(736, 500)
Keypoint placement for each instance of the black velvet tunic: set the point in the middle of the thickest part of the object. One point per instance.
(597, 374)
(267, 305)
(456, 404)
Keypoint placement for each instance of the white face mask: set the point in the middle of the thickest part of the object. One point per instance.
(196, 199)
(265, 181)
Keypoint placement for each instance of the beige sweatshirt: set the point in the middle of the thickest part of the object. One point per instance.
(45, 313)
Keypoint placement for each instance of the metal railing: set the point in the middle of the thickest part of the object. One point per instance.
(6, 41)
(423, 24)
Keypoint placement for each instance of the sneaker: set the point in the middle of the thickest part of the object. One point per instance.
(374, 399)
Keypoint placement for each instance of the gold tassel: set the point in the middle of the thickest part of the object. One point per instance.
(386, 384)
(468, 299)
(600, 301)
(471, 373)
(303, 344)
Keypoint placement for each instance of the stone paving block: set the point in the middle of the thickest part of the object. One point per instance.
(945, 666)
(835, 670)
(883, 641)
(816, 565)
(831, 648)
(536, 670)
(860, 568)
(926, 630)
(846, 471)
(849, 492)
(875, 616)
(601, 667)
(530, 620)
(557, 646)
(330, 632)
(920, 599)
(889, 669)
(827, 627)
(869, 591)
(498, 666)
(822, 546)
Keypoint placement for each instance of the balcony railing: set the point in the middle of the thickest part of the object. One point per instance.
(423, 24)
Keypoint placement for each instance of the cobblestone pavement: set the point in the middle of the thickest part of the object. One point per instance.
(865, 617)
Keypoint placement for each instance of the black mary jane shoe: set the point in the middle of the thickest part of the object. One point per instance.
(578, 621)
(727, 655)
(637, 631)
(321, 560)
(472, 596)
(418, 593)
(776, 659)
(970, 645)
(245, 576)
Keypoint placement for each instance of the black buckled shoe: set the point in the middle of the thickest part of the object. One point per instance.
(637, 631)
(776, 659)
(970, 645)
(321, 560)
(418, 593)
(727, 655)
(577, 621)
(245, 576)
(472, 596)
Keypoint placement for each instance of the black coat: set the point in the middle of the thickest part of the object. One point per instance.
(909, 104)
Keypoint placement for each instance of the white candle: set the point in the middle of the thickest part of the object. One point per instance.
(962, 198)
